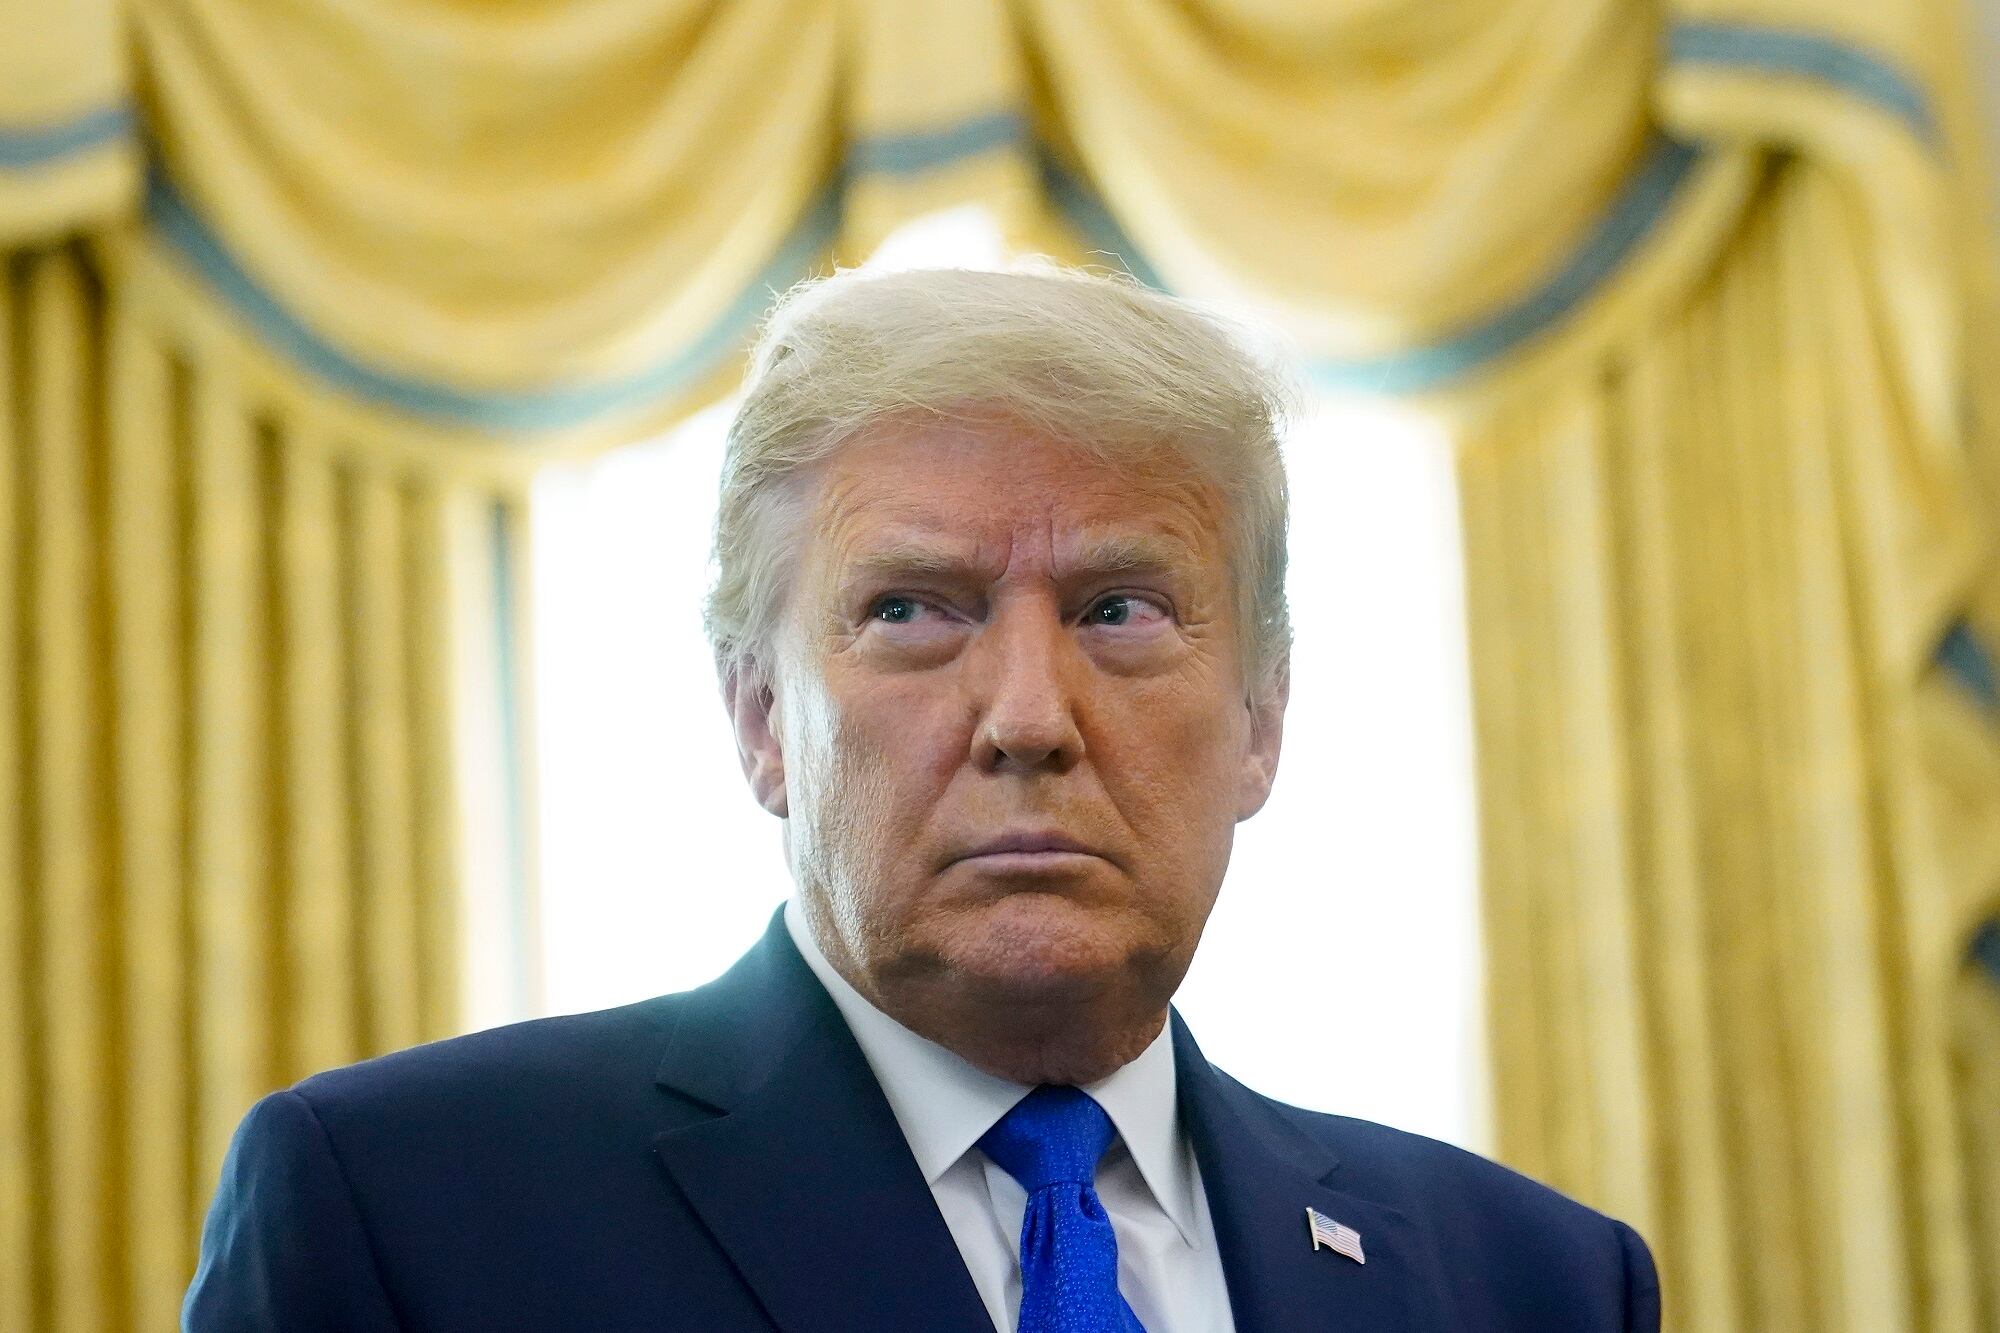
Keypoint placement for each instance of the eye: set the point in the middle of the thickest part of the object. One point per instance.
(895, 610)
(910, 630)
(1121, 609)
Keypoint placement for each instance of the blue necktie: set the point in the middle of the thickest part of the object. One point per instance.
(1051, 1142)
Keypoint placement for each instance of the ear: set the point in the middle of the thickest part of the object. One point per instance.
(1267, 734)
(752, 705)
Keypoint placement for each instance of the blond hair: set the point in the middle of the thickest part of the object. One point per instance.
(1098, 361)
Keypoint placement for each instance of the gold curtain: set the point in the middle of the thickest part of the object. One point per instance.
(1732, 588)
(1697, 280)
(66, 125)
(227, 841)
(1727, 837)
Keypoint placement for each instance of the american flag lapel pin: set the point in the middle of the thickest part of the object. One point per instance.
(1333, 1236)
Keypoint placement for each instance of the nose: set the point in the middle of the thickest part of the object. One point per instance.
(1028, 678)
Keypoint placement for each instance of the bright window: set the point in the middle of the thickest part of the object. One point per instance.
(1340, 970)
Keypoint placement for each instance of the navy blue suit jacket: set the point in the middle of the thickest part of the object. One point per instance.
(724, 1159)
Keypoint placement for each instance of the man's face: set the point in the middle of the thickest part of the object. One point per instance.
(1008, 730)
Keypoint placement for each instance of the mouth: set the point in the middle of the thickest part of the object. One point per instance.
(1029, 852)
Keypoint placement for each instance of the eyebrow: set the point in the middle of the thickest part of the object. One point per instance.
(1132, 553)
(1119, 553)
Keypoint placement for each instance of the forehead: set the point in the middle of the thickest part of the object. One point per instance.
(999, 496)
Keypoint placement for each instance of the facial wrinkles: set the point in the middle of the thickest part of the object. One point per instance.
(880, 772)
(1036, 558)
(828, 783)
(835, 779)
(1108, 721)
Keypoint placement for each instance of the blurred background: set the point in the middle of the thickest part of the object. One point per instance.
(364, 368)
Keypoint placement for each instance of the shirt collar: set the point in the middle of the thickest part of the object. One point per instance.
(944, 1104)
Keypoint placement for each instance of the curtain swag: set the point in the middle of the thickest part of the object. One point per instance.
(1649, 193)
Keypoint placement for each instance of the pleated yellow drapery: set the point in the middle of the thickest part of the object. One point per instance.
(1720, 885)
(1697, 281)
(227, 847)
(1740, 747)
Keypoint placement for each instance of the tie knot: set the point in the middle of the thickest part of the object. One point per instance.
(1053, 1135)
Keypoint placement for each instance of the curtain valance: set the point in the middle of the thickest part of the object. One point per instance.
(558, 221)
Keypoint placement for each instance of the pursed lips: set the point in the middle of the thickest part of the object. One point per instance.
(1028, 849)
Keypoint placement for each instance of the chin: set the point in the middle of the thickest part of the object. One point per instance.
(1040, 948)
(1036, 987)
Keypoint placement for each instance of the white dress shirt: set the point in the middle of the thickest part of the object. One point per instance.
(1168, 1266)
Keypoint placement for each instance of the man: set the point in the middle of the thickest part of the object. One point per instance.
(1000, 622)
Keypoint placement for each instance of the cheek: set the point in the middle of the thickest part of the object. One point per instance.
(1166, 758)
(1176, 734)
(869, 765)
(904, 742)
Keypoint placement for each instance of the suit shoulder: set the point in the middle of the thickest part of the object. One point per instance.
(512, 1064)
(1400, 1167)
(1504, 1241)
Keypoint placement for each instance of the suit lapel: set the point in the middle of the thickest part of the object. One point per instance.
(1261, 1173)
(804, 1177)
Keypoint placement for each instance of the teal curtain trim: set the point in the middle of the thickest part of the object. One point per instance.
(523, 412)
(1961, 653)
(1985, 950)
(1812, 56)
(1646, 198)
(26, 147)
(1102, 232)
(928, 150)
(1630, 218)
(500, 411)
